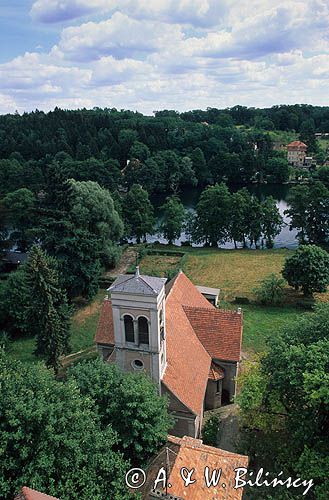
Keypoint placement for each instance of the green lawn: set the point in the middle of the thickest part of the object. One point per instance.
(235, 272)
(261, 323)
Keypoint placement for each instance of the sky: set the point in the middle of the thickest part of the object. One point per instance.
(149, 55)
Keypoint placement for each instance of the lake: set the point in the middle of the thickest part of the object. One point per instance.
(190, 197)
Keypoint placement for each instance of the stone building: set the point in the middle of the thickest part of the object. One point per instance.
(187, 346)
(296, 153)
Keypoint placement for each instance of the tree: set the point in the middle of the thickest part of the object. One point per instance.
(47, 312)
(240, 202)
(83, 235)
(308, 269)
(299, 200)
(271, 219)
(173, 218)
(51, 438)
(307, 135)
(138, 213)
(20, 214)
(14, 292)
(127, 402)
(271, 290)
(212, 215)
(285, 397)
(200, 167)
(254, 221)
(277, 170)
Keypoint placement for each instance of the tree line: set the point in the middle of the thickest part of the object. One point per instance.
(163, 153)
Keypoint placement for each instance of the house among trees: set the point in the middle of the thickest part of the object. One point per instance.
(296, 153)
(193, 454)
(189, 348)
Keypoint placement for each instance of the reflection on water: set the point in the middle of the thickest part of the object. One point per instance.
(191, 196)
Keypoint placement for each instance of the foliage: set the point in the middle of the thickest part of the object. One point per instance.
(212, 215)
(271, 220)
(138, 213)
(20, 215)
(308, 269)
(82, 235)
(51, 438)
(271, 290)
(210, 431)
(47, 312)
(288, 392)
(129, 403)
(309, 213)
(173, 218)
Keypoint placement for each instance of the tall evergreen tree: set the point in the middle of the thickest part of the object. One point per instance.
(48, 312)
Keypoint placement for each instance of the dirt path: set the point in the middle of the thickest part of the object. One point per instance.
(127, 259)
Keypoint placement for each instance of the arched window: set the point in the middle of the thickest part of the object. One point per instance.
(143, 330)
(129, 328)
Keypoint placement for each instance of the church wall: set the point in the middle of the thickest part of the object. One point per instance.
(229, 381)
(104, 350)
(213, 398)
(186, 422)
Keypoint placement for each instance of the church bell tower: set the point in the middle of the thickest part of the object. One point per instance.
(138, 305)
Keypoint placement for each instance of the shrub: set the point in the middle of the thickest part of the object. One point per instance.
(271, 290)
(210, 430)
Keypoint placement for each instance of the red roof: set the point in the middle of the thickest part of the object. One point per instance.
(219, 331)
(193, 454)
(105, 329)
(188, 363)
(29, 494)
(297, 144)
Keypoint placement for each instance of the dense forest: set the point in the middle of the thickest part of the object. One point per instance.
(166, 152)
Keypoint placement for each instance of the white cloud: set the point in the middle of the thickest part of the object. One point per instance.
(119, 36)
(201, 13)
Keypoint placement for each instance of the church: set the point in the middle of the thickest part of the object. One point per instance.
(190, 348)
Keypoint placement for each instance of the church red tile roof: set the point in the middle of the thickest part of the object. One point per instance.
(219, 331)
(188, 363)
(105, 329)
(29, 494)
(193, 454)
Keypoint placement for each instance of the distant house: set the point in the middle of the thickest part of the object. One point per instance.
(171, 331)
(193, 454)
(29, 494)
(296, 153)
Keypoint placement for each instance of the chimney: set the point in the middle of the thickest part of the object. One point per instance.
(239, 310)
(137, 271)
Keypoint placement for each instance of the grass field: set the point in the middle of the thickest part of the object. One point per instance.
(235, 272)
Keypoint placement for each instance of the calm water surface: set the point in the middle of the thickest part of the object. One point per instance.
(190, 197)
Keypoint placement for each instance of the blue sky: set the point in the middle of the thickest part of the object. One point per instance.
(154, 54)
